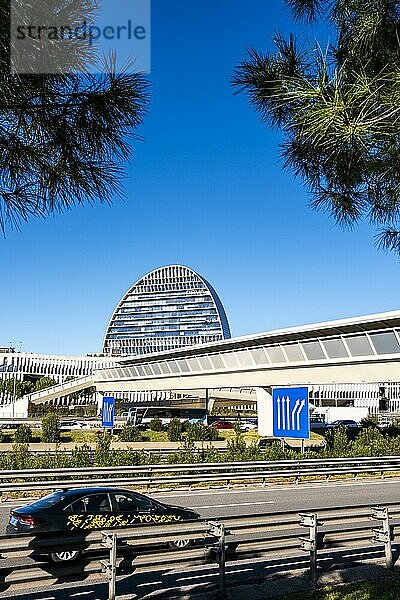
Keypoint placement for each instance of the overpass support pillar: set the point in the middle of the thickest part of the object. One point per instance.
(99, 402)
(264, 411)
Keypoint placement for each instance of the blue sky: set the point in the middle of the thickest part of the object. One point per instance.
(206, 189)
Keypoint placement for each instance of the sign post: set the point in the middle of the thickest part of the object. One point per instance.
(107, 412)
(290, 413)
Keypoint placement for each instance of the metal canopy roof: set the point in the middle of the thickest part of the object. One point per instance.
(375, 322)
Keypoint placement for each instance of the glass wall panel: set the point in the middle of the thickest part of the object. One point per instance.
(359, 345)
(173, 366)
(156, 368)
(260, 358)
(194, 364)
(385, 343)
(276, 355)
(205, 363)
(140, 370)
(335, 348)
(183, 365)
(216, 361)
(244, 358)
(148, 370)
(293, 352)
(313, 350)
(230, 360)
(132, 372)
(164, 368)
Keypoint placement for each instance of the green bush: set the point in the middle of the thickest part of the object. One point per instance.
(174, 431)
(197, 432)
(51, 428)
(156, 425)
(23, 434)
(103, 455)
(130, 433)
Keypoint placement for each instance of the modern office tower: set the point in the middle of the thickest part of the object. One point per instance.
(171, 307)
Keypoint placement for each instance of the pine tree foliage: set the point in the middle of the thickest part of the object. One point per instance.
(64, 139)
(338, 107)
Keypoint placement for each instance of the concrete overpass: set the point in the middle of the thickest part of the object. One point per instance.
(356, 350)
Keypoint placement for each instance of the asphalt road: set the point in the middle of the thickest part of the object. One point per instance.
(246, 501)
(219, 503)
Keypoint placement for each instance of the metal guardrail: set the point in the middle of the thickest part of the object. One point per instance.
(223, 539)
(189, 474)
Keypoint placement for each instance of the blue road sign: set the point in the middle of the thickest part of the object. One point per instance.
(290, 413)
(107, 413)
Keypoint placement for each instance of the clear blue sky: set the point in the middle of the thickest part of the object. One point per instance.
(207, 190)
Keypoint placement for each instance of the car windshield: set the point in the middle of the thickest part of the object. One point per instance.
(48, 501)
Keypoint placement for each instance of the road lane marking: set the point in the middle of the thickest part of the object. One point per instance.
(235, 504)
(271, 490)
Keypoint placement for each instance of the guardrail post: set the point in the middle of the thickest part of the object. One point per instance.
(384, 535)
(309, 544)
(110, 542)
(218, 530)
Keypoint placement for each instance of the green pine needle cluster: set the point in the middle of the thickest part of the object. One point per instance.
(64, 139)
(338, 106)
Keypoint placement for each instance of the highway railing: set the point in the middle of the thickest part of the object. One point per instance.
(221, 541)
(161, 475)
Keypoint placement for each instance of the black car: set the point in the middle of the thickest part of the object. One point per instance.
(343, 423)
(96, 508)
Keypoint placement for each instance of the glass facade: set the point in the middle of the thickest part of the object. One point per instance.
(171, 307)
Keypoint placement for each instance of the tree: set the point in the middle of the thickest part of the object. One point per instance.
(23, 434)
(339, 109)
(64, 138)
(130, 433)
(174, 430)
(156, 424)
(43, 383)
(51, 428)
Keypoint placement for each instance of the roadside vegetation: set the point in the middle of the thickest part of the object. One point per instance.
(339, 443)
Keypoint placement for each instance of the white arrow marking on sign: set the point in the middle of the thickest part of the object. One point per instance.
(288, 412)
(299, 409)
(278, 403)
(294, 413)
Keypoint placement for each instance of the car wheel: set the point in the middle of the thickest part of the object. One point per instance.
(180, 544)
(64, 555)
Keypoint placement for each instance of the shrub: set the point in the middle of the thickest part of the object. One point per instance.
(103, 456)
(81, 456)
(23, 434)
(338, 443)
(130, 433)
(20, 458)
(174, 431)
(371, 442)
(156, 425)
(51, 428)
(197, 432)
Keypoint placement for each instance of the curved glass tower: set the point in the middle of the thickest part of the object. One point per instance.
(171, 307)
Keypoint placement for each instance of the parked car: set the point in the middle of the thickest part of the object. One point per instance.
(88, 509)
(317, 424)
(74, 425)
(265, 443)
(248, 425)
(222, 425)
(342, 423)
